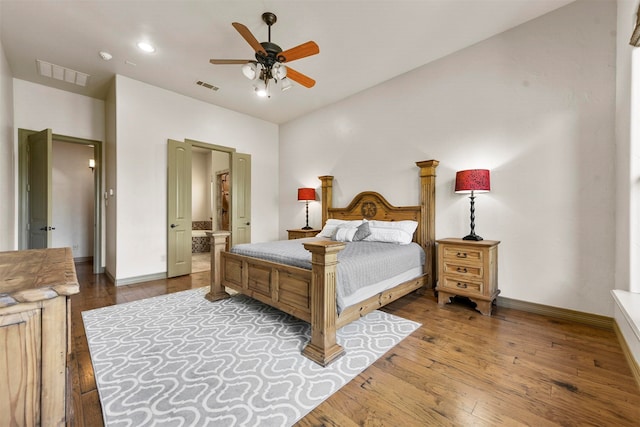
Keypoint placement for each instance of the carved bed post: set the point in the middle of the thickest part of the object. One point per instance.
(218, 244)
(323, 348)
(428, 220)
(327, 196)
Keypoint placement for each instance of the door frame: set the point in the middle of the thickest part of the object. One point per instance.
(232, 155)
(23, 206)
(231, 152)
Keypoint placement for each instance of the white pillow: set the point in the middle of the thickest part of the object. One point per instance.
(345, 234)
(329, 229)
(400, 232)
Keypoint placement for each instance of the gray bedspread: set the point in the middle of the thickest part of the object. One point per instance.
(359, 263)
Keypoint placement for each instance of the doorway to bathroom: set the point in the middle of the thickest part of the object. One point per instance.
(210, 201)
(192, 201)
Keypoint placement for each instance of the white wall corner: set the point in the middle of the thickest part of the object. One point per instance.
(627, 317)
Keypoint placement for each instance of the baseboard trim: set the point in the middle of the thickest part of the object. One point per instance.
(631, 361)
(140, 279)
(596, 320)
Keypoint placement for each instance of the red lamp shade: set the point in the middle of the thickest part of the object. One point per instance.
(306, 194)
(477, 180)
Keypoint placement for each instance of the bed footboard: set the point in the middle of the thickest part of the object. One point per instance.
(309, 295)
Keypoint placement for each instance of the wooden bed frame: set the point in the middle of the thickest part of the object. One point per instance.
(310, 295)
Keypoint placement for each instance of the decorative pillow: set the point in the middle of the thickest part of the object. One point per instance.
(330, 227)
(400, 232)
(362, 232)
(344, 234)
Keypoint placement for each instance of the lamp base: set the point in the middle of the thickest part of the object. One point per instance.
(472, 237)
(307, 228)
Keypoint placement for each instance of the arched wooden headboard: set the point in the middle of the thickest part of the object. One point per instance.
(373, 206)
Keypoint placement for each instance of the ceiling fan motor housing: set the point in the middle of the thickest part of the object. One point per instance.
(272, 54)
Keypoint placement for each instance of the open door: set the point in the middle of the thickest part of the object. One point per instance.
(39, 193)
(178, 208)
(240, 198)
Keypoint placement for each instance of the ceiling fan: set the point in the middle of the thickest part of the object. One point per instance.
(270, 59)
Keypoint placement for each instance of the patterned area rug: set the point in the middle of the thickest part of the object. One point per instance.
(180, 360)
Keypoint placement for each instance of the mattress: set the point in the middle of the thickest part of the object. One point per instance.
(364, 268)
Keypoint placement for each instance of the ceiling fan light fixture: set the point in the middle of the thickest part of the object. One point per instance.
(250, 70)
(261, 88)
(279, 71)
(286, 84)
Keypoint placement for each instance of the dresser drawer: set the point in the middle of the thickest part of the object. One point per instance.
(462, 285)
(459, 253)
(465, 271)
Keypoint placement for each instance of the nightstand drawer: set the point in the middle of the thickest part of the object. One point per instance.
(460, 253)
(466, 271)
(301, 233)
(462, 285)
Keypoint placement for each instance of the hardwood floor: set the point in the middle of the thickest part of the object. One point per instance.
(460, 368)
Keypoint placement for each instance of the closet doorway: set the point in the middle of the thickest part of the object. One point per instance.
(59, 194)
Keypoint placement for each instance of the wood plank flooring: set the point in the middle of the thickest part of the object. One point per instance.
(460, 368)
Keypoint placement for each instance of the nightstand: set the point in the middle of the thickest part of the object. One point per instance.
(470, 269)
(299, 233)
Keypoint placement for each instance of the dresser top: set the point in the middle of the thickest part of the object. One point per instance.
(35, 275)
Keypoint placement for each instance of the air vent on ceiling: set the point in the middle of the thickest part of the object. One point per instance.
(207, 85)
(58, 72)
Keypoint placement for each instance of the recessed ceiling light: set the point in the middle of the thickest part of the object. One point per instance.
(146, 47)
(105, 55)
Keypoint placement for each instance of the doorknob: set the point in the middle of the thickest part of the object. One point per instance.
(174, 225)
(248, 223)
(47, 228)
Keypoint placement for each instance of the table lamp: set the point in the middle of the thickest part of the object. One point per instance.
(306, 195)
(470, 181)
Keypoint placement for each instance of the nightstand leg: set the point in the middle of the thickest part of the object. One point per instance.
(444, 297)
(483, 307)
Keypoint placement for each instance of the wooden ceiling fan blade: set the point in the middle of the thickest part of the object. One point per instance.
(249, 37)
(298, 77)
(301, 51)
(229, 61)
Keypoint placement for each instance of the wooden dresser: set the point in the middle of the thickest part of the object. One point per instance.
(470, 269)
(299, 233)
(35, 286)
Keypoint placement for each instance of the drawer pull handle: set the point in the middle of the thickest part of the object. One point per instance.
(461, 270)
(462, 285)
(461, 254)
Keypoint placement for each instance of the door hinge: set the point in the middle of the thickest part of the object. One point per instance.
(28, 187)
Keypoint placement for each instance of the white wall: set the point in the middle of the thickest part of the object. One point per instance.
(110, 181)
(72, 193)
(8, 229)
(146, 117)
(536, 106)
(39, 107)
(200, 186)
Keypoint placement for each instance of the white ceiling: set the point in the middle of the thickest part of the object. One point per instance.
(362, 43)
